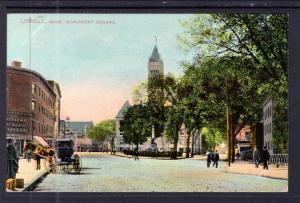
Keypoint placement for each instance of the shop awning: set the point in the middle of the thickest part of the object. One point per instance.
(40, 140)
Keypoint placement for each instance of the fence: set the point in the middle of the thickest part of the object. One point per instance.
(278, 159)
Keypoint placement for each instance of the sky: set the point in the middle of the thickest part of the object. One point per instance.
(95, 58)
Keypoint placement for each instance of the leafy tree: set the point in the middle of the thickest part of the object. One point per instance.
(136, 125)
(140, 93)
(247, 52)
(211, 137)
(103, 131)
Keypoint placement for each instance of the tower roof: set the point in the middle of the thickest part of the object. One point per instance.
(120, 114)
(155, 55)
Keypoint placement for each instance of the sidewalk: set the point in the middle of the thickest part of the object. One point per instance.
(28, 172)
(248, 168)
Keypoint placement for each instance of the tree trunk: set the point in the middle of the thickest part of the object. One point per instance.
(231, 139)
(112, 144)
(174, 153)
(188, 144)
(193, 144)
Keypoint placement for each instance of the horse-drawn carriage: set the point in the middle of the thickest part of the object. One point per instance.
(63, 159)
(67, 160)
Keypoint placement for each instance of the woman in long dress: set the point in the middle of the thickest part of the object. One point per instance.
(12, 165)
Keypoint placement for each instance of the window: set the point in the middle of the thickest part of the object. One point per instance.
(33, 105)
(33, 88)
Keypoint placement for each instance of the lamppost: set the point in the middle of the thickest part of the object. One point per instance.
(228, 130)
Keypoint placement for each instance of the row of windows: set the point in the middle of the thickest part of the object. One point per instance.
(43, 128)
(154, 71)
(36, 90)
(16, 130)
(42, 109)
(268, 112)
(15, 124)
(15, 120)
(268, 128)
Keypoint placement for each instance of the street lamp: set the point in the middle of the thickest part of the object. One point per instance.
(227, 124)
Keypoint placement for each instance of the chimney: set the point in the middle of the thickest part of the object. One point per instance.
(16, 64)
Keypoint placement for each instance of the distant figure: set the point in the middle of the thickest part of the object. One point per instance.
(216, 158)
(12, 165)
(265, 156)
(209, 158)
(256, 156)
(136, 154)
(28, 154)
(38, 157)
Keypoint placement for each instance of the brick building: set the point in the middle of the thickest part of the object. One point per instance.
(31, 106)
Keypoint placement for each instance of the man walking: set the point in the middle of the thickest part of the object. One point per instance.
(256, 156)
(12, 165)
(208, 159)
(216, 159)
(136, 154)
(265, 156)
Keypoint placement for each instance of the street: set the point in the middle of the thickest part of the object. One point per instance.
(107, 173)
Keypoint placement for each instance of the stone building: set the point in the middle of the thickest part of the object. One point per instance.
(31, 106)
(119, 142)
(77, 131)
(56, 89)
(267, 122)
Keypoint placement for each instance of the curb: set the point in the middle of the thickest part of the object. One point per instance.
(265, 176)
(35, 181)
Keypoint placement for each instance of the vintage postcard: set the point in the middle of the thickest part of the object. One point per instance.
(147, 102)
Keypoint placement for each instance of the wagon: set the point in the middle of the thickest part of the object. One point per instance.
(67, 160)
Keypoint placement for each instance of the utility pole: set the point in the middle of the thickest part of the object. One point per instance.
(227, 124)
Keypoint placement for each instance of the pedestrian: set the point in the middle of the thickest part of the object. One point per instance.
(12, 158)
(216, 159)
(256, 157)
(28, 155)
(38, 157)
(136, 154)
(208, 159)
(265, 156)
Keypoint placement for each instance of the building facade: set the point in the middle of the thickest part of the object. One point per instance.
(30, 106)
(77, 131)
(56, 89)
(119, 142)
(268, 122)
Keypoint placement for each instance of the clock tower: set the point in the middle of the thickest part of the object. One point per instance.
(155, 64)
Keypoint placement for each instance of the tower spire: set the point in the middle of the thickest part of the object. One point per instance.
(155, 40)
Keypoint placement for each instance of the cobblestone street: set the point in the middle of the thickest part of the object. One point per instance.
(107, 173)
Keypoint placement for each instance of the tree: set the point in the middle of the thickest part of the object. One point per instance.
(103, 131)
(248, 51)
(136, 125)
(175, 93)
(140, 93)
(212, 137)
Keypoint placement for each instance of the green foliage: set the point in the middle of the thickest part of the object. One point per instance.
(102, 131)
(136, 124)
(247, 52)
(211, 138)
